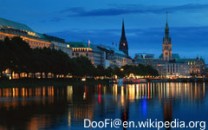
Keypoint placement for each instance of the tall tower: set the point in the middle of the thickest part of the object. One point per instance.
(123, 45)
(167, 45)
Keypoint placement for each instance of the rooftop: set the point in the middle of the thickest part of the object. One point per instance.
(190, 59)
(113, 50)
(52, 38)
(4, 23)
(77, 44)
(174, 56)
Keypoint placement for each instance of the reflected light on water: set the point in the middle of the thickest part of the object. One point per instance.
(131, 92)
(69, 118)
(11, 97)
(38, 122)
(115, 91)
(49, 106)
(166, 90)
(69, 93)
(99, 93)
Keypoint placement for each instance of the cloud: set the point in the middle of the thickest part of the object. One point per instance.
(78, 11)
(187, 41)
(133, 9)
(188, 7)
(117, 10)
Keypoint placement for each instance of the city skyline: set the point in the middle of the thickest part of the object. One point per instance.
(75, 21)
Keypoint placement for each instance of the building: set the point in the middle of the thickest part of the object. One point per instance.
(196, 66)
(100, 54)
(59, 44)
(103, 55)
(144, 58)
(173, 69)
(167, 45)
(181, 67)
(170, 65)
(123, 45)
(13, 29)
(81, 49)
(114, 57)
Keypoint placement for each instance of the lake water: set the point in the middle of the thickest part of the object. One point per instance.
(66, 107)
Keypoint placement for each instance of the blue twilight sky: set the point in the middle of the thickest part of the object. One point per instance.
(100, 22)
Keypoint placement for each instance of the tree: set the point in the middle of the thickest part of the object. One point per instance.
(16, 55)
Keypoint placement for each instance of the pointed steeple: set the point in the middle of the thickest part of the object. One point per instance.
(167, 45)
(166, 27)
(123, 46)
(123, 34)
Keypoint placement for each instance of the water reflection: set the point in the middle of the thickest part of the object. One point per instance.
(167, 111)
(51, 107)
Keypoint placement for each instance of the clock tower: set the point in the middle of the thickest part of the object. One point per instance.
(167, 45)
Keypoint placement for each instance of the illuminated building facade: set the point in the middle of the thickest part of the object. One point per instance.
(81, 49)
(174, 69)
(13, 29)
(181, 67)
(196, 66)
(170, 65)
(100, 54)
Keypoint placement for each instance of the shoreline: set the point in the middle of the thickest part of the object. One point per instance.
(47, 82)
(74, 81)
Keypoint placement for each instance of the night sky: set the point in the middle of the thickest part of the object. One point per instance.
(100, 22)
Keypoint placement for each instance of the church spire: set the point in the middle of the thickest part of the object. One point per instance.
(166, 27)
(123, 34)
(123, 46)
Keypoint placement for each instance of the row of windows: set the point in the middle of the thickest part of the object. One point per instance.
(32, 44)
(80, 54)
(37, 44)
(82, 49)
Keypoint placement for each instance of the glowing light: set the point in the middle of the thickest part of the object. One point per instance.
(99, 93)
(144, 107)
(83, 79)
(31, 33)
(69, 93)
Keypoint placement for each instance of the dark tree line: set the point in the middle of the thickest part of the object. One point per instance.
(17, 56)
